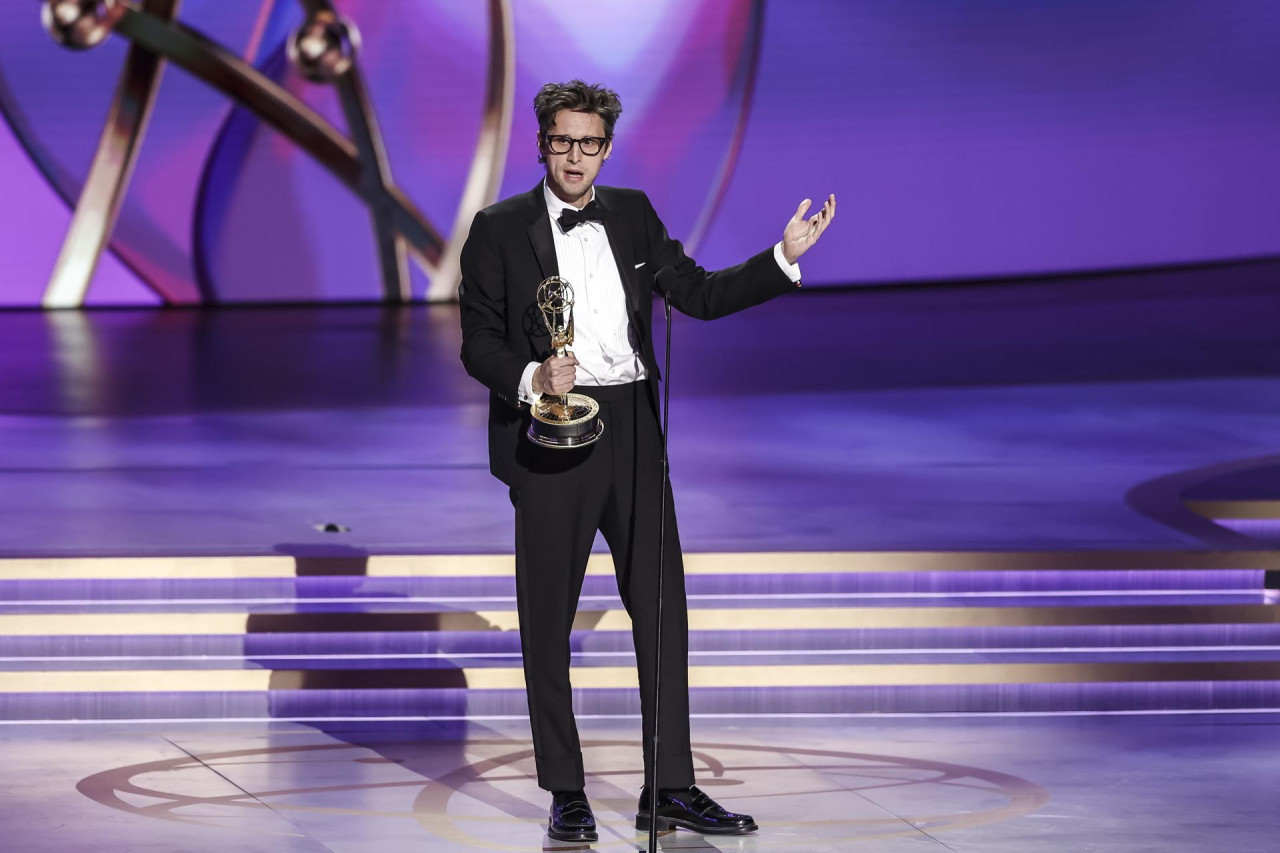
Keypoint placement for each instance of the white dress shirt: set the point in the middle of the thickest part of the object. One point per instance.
(603, 340)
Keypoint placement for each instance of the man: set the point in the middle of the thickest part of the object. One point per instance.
(608, 243)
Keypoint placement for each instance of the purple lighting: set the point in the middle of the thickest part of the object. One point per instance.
(965, 140)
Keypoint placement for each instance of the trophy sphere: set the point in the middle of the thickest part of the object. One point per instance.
(80, 24)
(324, 47)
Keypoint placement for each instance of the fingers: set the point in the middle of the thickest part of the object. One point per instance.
(559, 386)
(802, 233)
(558, 374)
(820, 220)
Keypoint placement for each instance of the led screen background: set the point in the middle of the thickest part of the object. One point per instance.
(964, 138)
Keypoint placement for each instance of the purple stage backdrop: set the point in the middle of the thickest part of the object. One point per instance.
(964, 138)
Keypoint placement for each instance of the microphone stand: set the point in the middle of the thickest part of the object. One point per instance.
(664, 275)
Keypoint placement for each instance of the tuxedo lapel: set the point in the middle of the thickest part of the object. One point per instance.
(544, 247)
(623, 251)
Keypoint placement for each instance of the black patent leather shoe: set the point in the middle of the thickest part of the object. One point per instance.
(571, 818)
(689, 808)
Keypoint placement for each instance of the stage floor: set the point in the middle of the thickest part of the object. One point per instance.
(1007, 785)
(1130, 421)
(1064, 414)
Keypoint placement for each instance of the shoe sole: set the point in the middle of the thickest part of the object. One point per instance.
(665, 823)
(572, 836)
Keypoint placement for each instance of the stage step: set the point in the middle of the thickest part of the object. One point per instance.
(437, 636)
(351, 707)
(445, 649)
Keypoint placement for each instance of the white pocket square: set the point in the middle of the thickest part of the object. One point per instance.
(642, 263)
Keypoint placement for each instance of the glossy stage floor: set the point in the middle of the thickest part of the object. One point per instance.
(1011, 785)
(971, 567)
(1066, 414)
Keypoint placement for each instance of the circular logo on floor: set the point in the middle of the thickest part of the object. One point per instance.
(481, 794)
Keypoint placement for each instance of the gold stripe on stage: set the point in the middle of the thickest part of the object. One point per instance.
(624, 677)
(503, 565)
(142, 568)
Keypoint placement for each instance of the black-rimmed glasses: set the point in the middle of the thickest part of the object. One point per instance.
(590, 146)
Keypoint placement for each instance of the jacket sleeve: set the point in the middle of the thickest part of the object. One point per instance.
(482, 300)
(708, 295)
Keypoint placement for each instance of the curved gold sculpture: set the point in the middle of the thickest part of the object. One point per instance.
(360, 162)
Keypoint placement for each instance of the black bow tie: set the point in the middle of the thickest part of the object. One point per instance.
(571, 218)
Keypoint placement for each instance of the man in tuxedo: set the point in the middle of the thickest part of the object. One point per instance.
(608, 243)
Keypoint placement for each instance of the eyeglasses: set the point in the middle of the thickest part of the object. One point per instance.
(590, 146)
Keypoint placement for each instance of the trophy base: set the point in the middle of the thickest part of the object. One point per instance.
(563, 423)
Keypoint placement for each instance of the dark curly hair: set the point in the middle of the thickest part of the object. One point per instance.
(580, 98)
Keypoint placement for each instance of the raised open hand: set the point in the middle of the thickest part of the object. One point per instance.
(802, 233)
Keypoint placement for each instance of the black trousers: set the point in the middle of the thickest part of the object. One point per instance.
(613, 486)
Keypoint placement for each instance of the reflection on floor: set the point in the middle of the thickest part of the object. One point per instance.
(1067, 414)
(1012, 785)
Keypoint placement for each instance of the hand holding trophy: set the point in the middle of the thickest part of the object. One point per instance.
(562, 421)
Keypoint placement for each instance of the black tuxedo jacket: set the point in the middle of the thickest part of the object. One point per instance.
(508, 254)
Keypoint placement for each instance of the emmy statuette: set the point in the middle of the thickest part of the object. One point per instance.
(561, 421)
